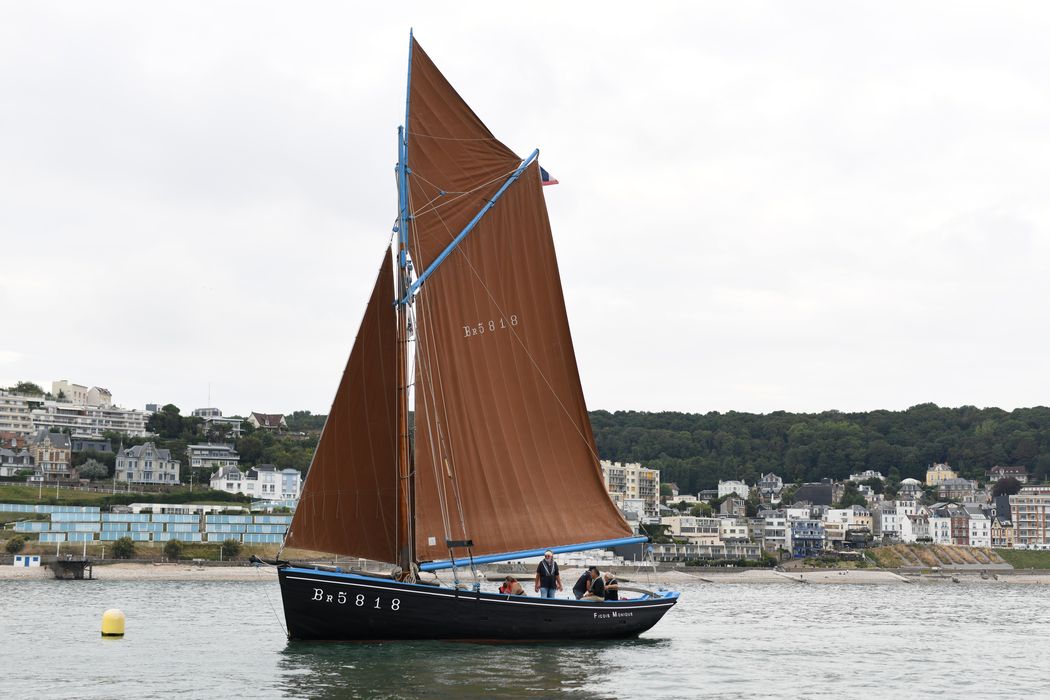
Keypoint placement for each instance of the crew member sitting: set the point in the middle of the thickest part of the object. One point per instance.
(612, 587)
(511, 586)
(596, 592)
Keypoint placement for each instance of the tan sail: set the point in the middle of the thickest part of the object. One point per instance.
(504, 453)
(349, 501)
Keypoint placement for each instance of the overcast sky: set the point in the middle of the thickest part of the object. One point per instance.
(763, 206)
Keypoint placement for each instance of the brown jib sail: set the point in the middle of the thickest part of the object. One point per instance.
(349, 501)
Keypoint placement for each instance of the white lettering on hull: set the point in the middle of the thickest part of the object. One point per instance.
(614, 613)
(359, 600)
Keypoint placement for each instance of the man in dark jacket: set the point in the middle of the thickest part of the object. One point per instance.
(580, 589)
(548, 577)
(596, 592)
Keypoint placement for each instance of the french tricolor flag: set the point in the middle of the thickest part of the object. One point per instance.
(546, 179)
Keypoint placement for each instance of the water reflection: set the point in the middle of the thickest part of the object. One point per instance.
(447, 669)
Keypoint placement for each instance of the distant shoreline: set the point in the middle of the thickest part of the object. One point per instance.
(189, 572)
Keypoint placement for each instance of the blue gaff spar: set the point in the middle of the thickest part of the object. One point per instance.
(466, 324)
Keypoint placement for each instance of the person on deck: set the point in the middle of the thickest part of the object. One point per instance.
(548, 577)
(582, 584)
(511, 586)
(612, 587)
(597, 589)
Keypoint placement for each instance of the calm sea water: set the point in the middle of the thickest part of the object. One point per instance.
(723, 641)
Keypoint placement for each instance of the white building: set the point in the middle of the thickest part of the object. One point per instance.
(738, 487)
(798, 512)
(733, 529)
(147, 464)
(867, 475)
(63, 390)
(770, 486)
(14, 461)
(16, 412)
(87, 421)
(214, 419)
(1030, 511)
(632, 481)
(696, 530)
(267, 421)
(263, 481)
(980, 529)
(915, 527)
(212, 456)
(940, 527)
(777, 534)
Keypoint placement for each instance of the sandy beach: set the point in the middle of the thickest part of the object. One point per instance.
(189, 572)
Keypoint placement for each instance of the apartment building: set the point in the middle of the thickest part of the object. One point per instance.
(212, 456)
(16, 412)
(1029, 509)
(632, 481)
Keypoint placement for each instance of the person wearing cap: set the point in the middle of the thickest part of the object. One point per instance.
(596, 592)
(548, 577)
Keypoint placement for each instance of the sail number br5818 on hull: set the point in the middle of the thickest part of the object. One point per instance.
(490, 326)
(359, 600)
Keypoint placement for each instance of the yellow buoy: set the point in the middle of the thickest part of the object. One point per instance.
(113, 623)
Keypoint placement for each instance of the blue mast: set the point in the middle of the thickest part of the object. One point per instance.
(402, 171)
(406, 497)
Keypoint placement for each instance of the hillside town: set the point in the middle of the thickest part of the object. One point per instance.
(738, 521)
(42, 434)
(44, 437)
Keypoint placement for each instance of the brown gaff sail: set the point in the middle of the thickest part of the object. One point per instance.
(349, 501)
(504, 453)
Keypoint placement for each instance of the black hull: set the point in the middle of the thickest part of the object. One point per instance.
(323, 605)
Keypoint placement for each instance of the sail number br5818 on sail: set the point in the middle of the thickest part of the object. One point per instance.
(490, 326)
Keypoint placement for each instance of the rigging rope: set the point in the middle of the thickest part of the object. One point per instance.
(460, 195)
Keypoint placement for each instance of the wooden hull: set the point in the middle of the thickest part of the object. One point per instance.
(323, 605)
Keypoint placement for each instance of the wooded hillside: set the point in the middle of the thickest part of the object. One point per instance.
(696, 450)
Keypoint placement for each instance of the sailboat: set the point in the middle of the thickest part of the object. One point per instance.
(466, 324)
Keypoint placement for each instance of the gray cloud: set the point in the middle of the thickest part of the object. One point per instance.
(762, 206)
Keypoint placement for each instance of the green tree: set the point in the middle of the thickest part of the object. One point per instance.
(877, 485)
(173, 549)
(230, 549)
(124, 548)
(701, 510)
(26, 389)
(93, 469)
(15, 545)
(1007, 486)
(851, 497)
(107, 458)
